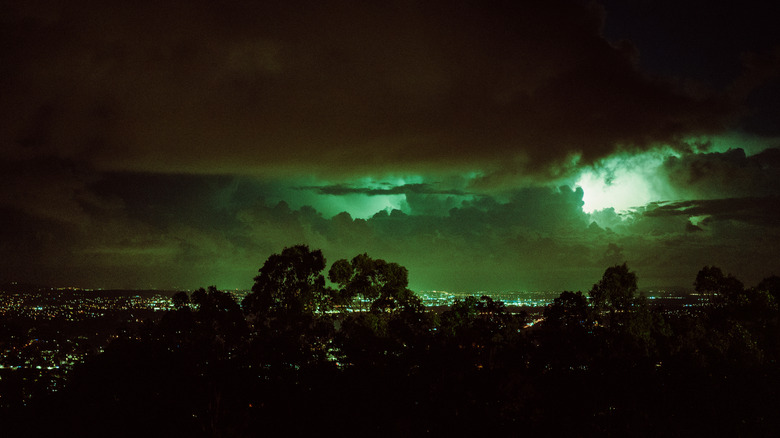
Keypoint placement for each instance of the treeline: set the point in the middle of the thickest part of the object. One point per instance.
(298, 357)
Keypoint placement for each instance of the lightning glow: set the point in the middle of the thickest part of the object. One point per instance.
(624, 182)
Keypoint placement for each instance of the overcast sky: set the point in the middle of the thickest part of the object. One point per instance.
(484, 145)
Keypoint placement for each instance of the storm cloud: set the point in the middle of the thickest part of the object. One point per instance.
(179, 144)
(335, 88)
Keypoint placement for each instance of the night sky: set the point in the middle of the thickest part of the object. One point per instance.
(484, 145)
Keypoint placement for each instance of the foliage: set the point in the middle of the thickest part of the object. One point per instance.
(569, 312)
(610, 365)
(289, 283)
(616, 290)
(377, 281)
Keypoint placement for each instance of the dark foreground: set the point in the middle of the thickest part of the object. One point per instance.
(279, 364)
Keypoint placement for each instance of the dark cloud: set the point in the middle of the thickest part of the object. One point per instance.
(180, 143)
(690, 227)
(698, 39)
(336, 88)
(761, 211)
(725, 175)
(140, 244)
(764, 110)
(52, 189)
(384, 189)
(166, 231)
(613, 255)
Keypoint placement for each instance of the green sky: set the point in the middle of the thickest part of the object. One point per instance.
(506, 146)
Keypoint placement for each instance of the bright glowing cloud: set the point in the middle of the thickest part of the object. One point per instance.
(624, 181)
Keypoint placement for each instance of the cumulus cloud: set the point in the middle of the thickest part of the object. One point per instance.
(384, 189)
(168, 231)
(761, 211)
(724, 174)
(181, 143)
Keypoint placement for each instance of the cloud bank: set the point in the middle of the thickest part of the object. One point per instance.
(514, 91)
(179, 144)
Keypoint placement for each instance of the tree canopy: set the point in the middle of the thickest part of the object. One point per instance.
(365, 347)
(375, 280)
(289, 283)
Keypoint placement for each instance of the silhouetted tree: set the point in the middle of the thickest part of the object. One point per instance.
(771, 285)
(738, 323)
(382, 283)
(289, 283)
(286, 309)
(217, 328)
(198, 296)
(720, 288)
(565, 338)
(609, 366)
(180, 299)
(615, 293)
(459, 316)
(569, 312)
(396, 322)
(356, 279)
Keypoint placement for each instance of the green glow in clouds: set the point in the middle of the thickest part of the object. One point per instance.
(624, 181)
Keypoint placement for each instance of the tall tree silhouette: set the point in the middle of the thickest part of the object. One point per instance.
(383, 284)
(289, 283)
(395, 319)
(286, 309)
(615, 293)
